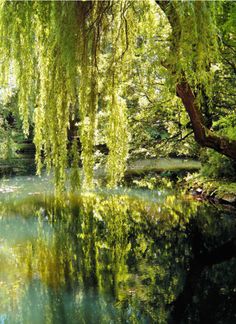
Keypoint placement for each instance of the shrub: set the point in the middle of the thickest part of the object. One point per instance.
(216, 165)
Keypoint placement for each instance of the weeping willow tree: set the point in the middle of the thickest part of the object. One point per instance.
(68, 57)
(56, 53)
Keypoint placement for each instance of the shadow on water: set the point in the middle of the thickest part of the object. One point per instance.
(116, 257)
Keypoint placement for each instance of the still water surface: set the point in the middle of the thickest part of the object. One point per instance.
(127, 256)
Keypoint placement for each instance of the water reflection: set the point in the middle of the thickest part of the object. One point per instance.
(116, 258)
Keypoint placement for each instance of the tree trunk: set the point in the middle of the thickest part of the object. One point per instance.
(203, 135)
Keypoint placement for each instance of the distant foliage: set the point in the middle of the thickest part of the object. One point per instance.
(10, 127)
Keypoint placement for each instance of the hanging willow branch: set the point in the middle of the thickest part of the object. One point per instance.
(54, 50)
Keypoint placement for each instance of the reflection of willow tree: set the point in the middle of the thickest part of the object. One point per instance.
(108, 252)
(99, 258)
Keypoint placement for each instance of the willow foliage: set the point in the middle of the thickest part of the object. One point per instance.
(54, 49)
(194, 43)
(67, 56)
(39, 39)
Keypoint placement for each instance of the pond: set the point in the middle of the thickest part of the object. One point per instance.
(124, 256)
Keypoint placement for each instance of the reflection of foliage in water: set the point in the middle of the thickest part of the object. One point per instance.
(102, 258)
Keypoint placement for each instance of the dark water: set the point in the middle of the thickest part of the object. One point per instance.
(114, 257)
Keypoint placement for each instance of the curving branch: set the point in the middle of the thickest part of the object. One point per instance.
(204, 136)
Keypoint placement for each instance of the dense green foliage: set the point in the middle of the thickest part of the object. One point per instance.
(53, 50)
(104, 73)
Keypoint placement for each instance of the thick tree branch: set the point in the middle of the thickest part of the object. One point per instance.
(202, 134)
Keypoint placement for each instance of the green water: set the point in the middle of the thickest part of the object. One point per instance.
(120, 256)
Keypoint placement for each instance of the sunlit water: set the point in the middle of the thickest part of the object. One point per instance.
(124, 256)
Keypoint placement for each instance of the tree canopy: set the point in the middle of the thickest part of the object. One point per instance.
(72, 61)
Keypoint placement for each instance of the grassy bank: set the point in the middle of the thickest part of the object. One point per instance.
(161, 165)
